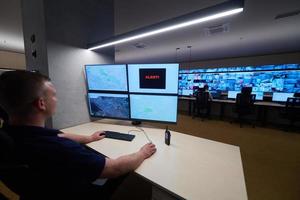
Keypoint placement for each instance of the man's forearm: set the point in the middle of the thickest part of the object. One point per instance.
(129, 163)
(122, 165)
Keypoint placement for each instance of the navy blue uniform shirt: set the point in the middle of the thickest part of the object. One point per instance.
(56, 164)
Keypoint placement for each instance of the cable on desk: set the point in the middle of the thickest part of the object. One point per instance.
(132, 131)
(144, 133)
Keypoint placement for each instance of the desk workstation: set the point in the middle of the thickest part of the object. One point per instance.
(263, 106)
(190, 168)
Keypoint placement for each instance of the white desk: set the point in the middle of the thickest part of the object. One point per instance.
(191, 167)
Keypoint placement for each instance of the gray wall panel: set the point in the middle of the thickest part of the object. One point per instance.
(63, 30)
(66, 66)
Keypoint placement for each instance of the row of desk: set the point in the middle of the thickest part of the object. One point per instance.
(263, 106)
(190, 168)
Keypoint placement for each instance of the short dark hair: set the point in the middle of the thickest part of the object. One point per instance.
(19, 89)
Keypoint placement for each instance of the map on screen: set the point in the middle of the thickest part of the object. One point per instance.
(109, 105)
(153, 107)
(106, 77)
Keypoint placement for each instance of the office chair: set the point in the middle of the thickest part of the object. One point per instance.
(297, 94)
(12, 173)
(291, 111)
(202, 103)
(244, 105)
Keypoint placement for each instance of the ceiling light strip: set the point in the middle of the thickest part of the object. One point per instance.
(170, 28)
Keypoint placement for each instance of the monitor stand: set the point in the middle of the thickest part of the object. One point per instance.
(135, 123)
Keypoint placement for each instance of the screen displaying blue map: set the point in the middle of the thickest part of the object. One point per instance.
(108, 105)
(106, 77)
(153, 107)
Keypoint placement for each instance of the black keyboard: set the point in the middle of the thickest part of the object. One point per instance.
(118, 136)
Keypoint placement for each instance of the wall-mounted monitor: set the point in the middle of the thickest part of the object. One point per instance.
(153, 78)
(281, 97)
(261, 79)
(108, 105)
(153, 107)
(106, 77)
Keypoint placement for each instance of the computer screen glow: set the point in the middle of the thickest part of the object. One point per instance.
(108, 105)
(106, 77)
(153, 107)
(153, 78)
(287, 81)
(281, 97)
(232, 94)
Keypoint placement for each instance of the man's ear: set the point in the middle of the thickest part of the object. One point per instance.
(40, 104)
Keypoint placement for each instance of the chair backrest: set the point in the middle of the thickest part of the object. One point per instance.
(292, 106)
(245, 99)
(244, 103)
(297, 94)
(202, 99)
(246, 91)
(13, 173)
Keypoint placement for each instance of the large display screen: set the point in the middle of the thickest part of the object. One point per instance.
(269, 78)
(109, 105)
(260, 81)
(153, 78)
(106, 77)
(153, 107)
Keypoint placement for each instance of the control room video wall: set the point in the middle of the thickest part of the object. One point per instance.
(268, 78)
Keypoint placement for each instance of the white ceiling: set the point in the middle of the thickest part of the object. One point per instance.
(253, 32)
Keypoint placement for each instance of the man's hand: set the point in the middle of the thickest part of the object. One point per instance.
(96, 136)
(127, 163)
(147, 150)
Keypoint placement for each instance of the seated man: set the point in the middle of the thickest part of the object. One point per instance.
(59, 166)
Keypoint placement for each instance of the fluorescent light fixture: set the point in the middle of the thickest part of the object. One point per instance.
(168, 28)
